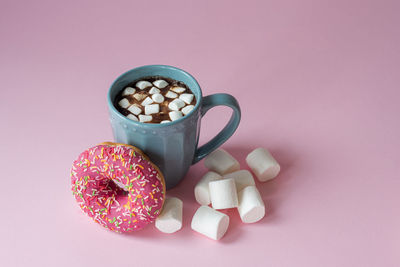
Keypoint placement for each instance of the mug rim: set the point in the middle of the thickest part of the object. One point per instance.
(154, 125)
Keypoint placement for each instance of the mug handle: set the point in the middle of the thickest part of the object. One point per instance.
(209, 102)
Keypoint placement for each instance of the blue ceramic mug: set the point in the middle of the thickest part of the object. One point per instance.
(172, 146)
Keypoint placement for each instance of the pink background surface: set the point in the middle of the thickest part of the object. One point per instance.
(318, 83)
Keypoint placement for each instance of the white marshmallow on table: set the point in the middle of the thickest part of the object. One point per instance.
(128, 91)
(145, 118)
(151, 109)
(174, 115)
(160, 83)
(170, 219)
(178, 89)
(221, 161)
(124, 103)
(143, 84)
(242, 178)
(187, 98)
(187, 109)
(263, 164)
(223, 194)
(170, 94)
(165, 121)
(147, 101)
(201, 190)
(251, 206)
(210, 222)
(154, 90)
(158, 98)
(132, 117)
(139, 97)
(176, 104)
(135, 109)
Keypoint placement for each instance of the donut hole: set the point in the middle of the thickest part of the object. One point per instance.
(118, 187)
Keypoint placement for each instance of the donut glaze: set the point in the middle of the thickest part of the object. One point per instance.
(118, 186)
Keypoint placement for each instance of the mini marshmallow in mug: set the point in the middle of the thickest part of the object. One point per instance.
(128, 91)
(187, 109)
(176, 104)
(158, 98)
(143, 84)
(174, 115)
(160, 83)
(147, 101)
(187, 98)
(145, 118)
(132, 117)
(178, 89)
(124, 103)
(154, 90)
(151, 109)
(134, 109)
(170, 94)
(139, 96)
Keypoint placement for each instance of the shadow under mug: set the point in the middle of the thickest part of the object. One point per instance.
(172, 146)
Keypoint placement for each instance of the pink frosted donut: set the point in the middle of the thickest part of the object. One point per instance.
(118, 186)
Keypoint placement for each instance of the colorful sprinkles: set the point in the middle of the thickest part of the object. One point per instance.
(117, 187)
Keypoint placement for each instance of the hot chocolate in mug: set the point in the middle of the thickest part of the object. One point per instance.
(172, 146)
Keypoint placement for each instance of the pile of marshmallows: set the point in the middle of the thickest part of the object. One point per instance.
(224, 187)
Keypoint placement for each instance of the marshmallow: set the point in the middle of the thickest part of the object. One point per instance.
(251, 206)
(170, 94)
(160, 83)
(143, 84)
(174, 115)
(242, 178)
(263, 164)
(165, 121)
(170, 219)
(187, 98)
(158, 98)
(221, 161)
(124, 103)
(201, 191)
(210, 222)
(154, 90)
(187, 109)
(151, 109)
(132, 117)
(135, 109)
(128, 91)
(176, 104)
(147, 101)
(139, 97)
(223, 194)
(178, 89)
(145, 118)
